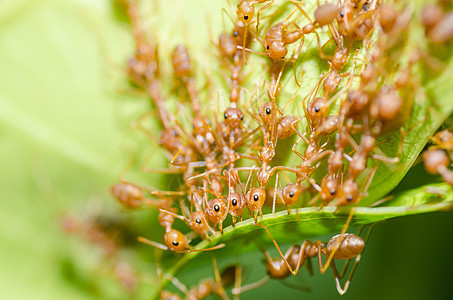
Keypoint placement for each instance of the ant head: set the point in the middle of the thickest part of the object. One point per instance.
(238, 34)
(266, 114)
(346, 13)
(325, 14)
(237, 204)
(444, 139)
(246, 12)
(276, 49)
(175, 240)
(348, 193)
(318, 109)
(329, 188)
(216, 212)
(127, 194)
(291, 193)
(170, 139)
(256, 198)
(233, 118)
(435, 159)
(198, 222)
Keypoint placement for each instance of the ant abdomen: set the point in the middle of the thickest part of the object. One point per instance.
(350, 246)
(326, 13)
(181, 61)
(128, 194)
(435, 160)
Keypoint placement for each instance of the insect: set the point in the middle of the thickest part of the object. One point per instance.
(438, 24)
(344, 246)
(444, 139)
(437, 162)
(177, 242)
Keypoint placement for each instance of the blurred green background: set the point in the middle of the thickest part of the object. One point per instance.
(66, 138)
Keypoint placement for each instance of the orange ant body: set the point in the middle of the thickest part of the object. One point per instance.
(343, 247)
(437, 162)
(177, 242)
(444, 139)
(438, 24)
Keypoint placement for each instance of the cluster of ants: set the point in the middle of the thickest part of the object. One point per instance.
(229, 165)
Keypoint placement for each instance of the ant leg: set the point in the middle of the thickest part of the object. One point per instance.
(278, 249)
(250, 286)
(337, 243)
(343, 290)
(218, 280)
(219, 246)
(275, 193)
(152, 243)
(262, 8)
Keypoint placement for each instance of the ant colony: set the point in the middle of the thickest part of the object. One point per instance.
(230, 160)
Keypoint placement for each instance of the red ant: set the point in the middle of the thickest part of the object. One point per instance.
(345, 246)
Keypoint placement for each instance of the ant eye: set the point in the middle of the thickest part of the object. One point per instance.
(255, 197)
(317, 109)
(441, 139)
(175, 133)
(332, 191)
(342, 13)
(246, 17)
(198, 220)
(268, 111)
(175, 243)
(291, 194)
(225, 116)
(235, 33)
(242, 117)
(349, 197)
(216, 208)
(267, 47)
(234, 202)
